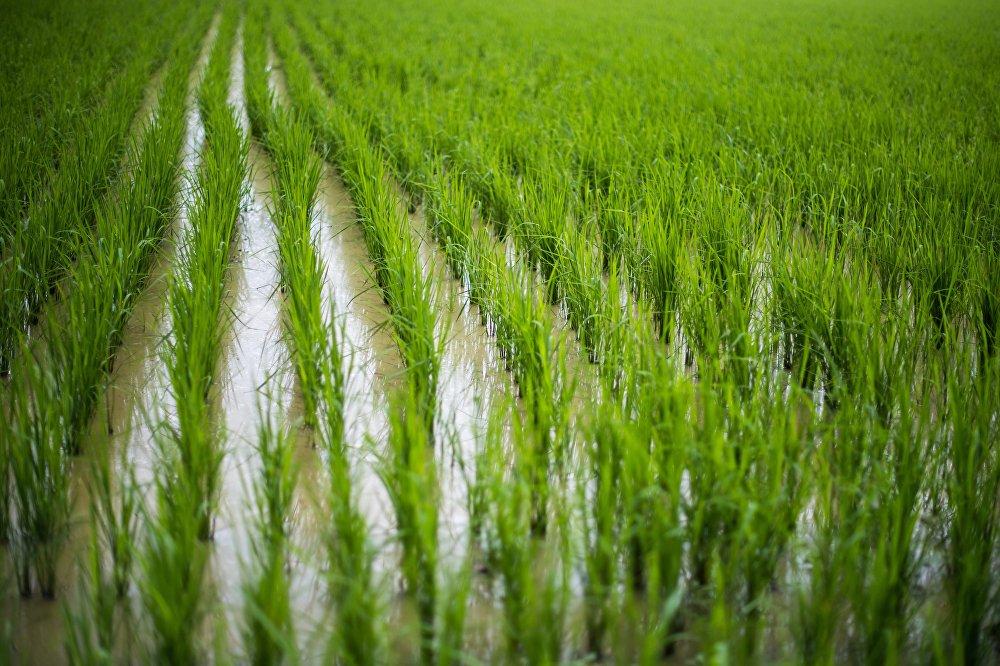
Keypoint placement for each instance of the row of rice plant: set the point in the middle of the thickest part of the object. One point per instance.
(268, 631)
(40, 249)
(51, 399)
(396, 264)
(408, 468)
(174, 581)
(197, 289)
(297, 170)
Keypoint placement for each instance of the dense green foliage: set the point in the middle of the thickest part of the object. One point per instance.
(739, 260)
(87, 122)
(781, 203)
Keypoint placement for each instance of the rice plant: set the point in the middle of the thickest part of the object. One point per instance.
(39, 470)
(172, 565)
(356, 637)
(268, 631)
(409, 476)
(116, 511)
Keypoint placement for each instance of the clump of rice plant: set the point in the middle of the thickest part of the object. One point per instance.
(357, 635)
(90, 623)
(39, 475)
(172, 570)
(115, 513)
(268, 631)
(972, 485)
(530, 568)
(453, 600)
(408, 473)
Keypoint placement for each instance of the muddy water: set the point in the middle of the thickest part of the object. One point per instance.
(276, 78)
(472, 377)
(150, 99)
(254, 374)
(370, 357)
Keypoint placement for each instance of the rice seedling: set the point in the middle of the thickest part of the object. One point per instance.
(96, 629)
(89, 627)
(601, 541)
(172, 568)
(409, 476)
(268, 631)
(453, 600)
(356, 637)
(529, 568)
(91, 621)
(972, 483)
(41, 498)
(115, 515)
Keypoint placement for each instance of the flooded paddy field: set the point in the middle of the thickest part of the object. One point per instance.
(369, 333)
